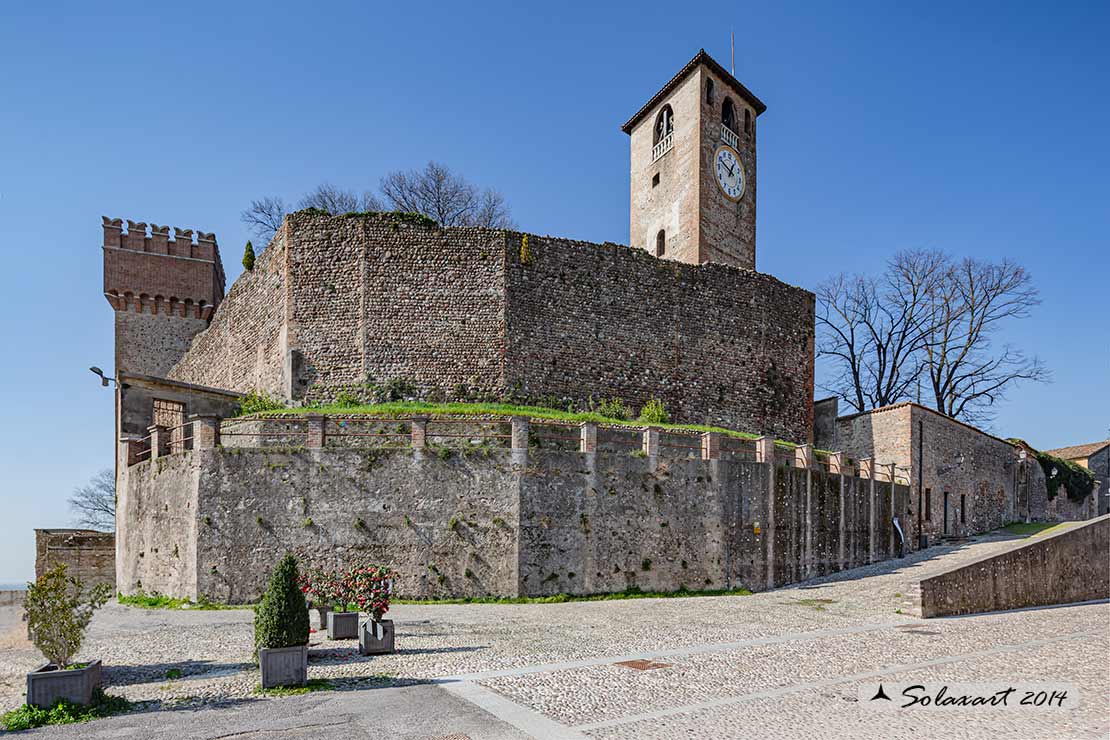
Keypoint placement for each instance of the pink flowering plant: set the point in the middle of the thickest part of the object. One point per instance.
(371, 588)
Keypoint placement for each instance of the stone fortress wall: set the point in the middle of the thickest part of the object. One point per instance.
(540, 518)
(335, 302)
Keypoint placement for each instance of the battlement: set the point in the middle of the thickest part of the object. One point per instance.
(159, 242)
(164, 291)
(154, 274)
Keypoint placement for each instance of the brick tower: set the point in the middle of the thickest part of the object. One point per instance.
(693, 168)
(163, 290)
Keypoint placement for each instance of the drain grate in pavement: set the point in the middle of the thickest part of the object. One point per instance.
(642, 665)
(456, 736)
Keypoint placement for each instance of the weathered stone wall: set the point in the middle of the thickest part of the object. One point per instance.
(981, 490)
(245, 346)
(1058, 569)
(495, 522)
(672, 204)
(87, 554)
(157, 525)
(376, 298)
(726, 230)
(716, 344)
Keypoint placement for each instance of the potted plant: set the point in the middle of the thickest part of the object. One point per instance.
(372, 587)
(342, 624)
(281, 629)
(59, 609)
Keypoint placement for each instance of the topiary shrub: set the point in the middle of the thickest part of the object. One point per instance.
(281, 618)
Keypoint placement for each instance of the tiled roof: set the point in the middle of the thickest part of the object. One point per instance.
(1077, 452)
(700, 58)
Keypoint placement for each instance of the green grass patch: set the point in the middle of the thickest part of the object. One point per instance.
(1034, 528)
(816, 604)
(630, 593)
(314, 684)
(155, 600)
(27, 717)
(409, 408)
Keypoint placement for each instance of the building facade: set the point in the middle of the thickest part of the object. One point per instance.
(693, 168)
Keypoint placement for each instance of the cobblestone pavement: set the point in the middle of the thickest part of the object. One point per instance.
(786, 663)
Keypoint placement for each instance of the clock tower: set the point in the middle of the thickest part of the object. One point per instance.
(693, 168)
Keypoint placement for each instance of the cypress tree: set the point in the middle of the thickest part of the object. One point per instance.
(248, 257)
(281, 618)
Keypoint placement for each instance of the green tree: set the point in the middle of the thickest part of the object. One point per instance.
(248, 257)
(281, 618)
(59, 609)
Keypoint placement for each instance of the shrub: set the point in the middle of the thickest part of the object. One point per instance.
(371, 587)
(1077, 480)
(654, 412)
(346, 399)
(614, 408)
(63, 712)
(281, 618)
(59, 609)
(256, 401)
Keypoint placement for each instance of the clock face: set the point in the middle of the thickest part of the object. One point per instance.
(730, 173)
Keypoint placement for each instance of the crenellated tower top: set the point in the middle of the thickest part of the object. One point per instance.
(158, 275)
(164, 291)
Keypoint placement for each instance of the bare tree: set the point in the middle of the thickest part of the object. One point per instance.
(264, 217)
(337, 201)
(967, 372)
(875, 329)
(94, 503)
(434, 191)
(925, 319)
(445, 197)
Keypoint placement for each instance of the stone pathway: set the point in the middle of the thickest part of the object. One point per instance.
(786, 663)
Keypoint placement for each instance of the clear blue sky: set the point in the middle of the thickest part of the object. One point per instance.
(979, 130)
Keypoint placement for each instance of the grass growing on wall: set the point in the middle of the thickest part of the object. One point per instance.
(409, 408)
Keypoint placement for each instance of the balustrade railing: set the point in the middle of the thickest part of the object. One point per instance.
(730, 137)
(665, 145)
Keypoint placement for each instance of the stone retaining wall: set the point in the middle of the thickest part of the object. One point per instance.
(500, 522)
(1073, 565)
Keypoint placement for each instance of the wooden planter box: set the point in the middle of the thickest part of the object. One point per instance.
(376, 638)
(342, 625)
(48, 684)
(286, 666)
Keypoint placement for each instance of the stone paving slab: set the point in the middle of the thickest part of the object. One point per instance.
(547, 670)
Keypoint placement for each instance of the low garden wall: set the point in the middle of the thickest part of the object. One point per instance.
(492, 521)
(1071, 566)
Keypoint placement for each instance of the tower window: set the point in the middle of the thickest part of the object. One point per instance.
(728, 115)
(664, 124)
(655, 179)
(660, 243)
(709, 92)
(747, 122)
